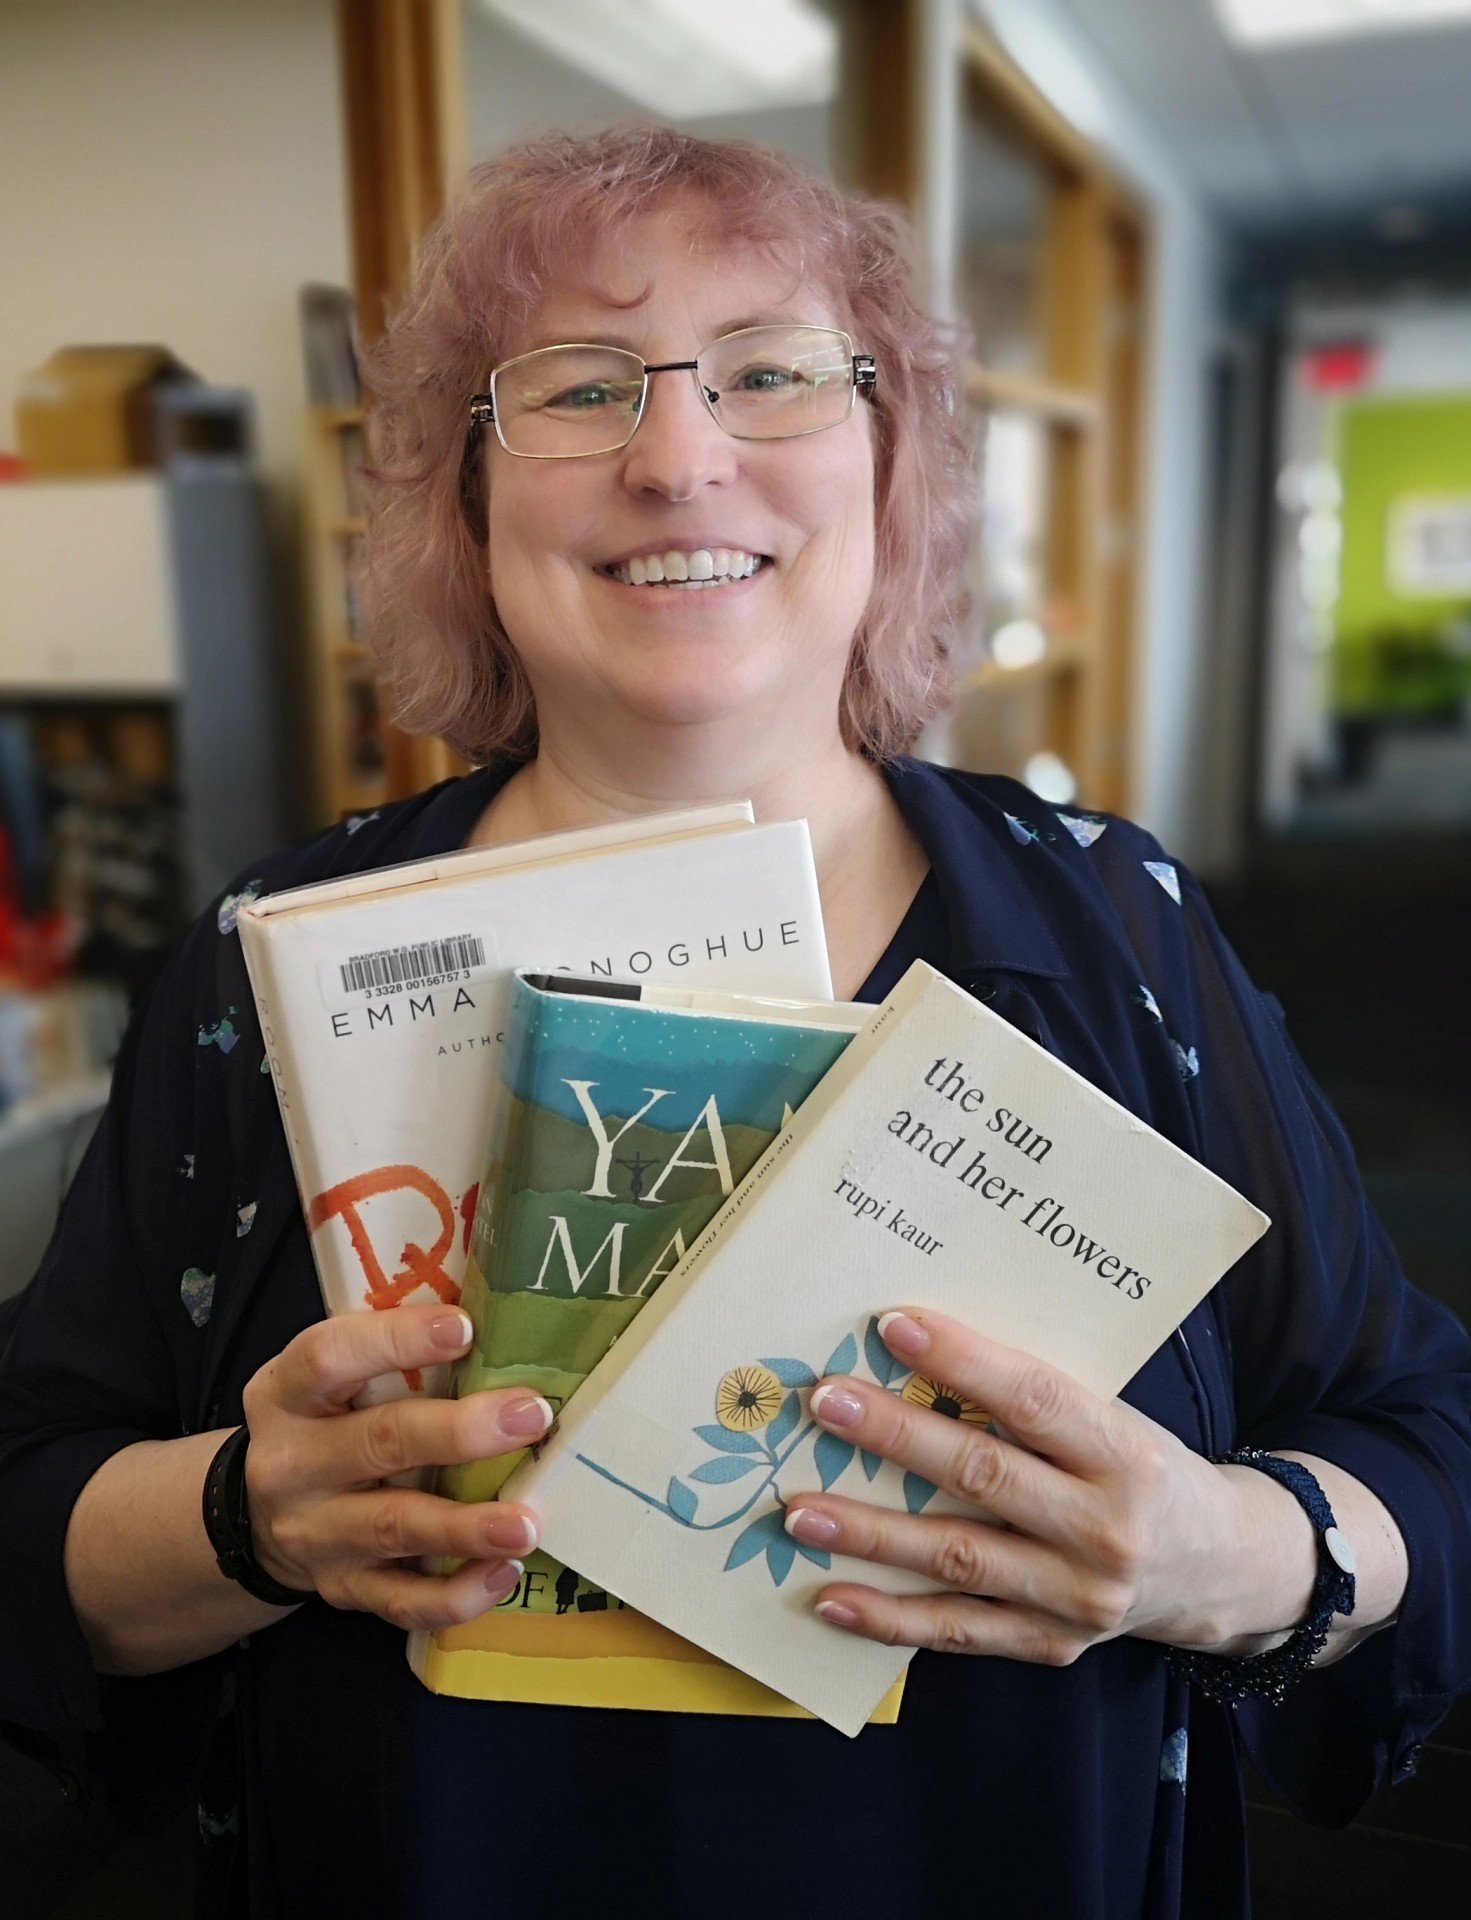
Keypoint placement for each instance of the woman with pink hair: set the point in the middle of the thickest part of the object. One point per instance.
(670, 492)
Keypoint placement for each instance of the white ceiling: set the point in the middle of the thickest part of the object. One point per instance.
(1293, 135)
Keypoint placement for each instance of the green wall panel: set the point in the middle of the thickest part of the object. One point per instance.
(1392, 654)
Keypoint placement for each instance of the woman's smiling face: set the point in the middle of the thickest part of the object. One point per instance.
(770, 648)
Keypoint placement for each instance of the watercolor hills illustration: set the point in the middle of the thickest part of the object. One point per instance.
(623, 1129)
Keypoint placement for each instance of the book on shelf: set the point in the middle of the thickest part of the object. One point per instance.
(328, 319)
(946, 1161)
(628, 1114)
(382, 999)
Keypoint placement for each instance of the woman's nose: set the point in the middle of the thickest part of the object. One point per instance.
(678, 448)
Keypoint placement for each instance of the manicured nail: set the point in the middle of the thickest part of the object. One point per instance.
(451, 1331)
(836, 1613)
(901, 1334)
(510, 1533)
(818, 1529)
(525, 1418)
(835, 1406)
(504, 1579)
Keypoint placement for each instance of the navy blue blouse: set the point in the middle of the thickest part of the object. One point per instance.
(330, 1782)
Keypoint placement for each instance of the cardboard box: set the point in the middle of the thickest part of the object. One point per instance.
(90, 409)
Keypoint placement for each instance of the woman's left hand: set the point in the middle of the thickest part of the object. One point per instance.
(1111, 1525)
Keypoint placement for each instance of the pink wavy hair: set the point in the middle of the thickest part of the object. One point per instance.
(512, 234)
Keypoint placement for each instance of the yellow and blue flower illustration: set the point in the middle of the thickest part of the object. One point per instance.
(747, 1398)
(759, 1428)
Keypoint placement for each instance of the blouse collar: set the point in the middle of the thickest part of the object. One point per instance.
(977, 850)
(979, 853)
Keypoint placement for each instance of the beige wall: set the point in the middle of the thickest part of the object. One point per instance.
(170, 170)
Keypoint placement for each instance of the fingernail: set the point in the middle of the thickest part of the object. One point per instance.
(901, 1334)
(808, 1523)
(836, 1613)
(451, 1331)
(510, 1533)
(504, 1579)
(835, 1406)
(524, 1418)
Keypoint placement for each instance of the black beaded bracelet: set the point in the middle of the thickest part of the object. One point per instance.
(227, 1522)
(1267, 1676)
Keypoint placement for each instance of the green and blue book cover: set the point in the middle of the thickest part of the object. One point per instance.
(628, 1116)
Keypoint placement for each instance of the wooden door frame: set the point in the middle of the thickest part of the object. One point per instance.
(406, 146)
(1090, 399)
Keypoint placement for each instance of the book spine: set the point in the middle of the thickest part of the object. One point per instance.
(777, 1163)
(440, 1668)
(277, 990)
(503, 1176)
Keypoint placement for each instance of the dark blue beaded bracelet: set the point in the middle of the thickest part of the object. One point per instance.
(1267, 1676)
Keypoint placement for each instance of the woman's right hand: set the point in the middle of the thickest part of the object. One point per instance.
(321, 1516)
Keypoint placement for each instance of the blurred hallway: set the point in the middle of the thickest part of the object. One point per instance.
(1365, 945)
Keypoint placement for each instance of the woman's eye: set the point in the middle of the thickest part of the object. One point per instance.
(766, 380)
(583, 399)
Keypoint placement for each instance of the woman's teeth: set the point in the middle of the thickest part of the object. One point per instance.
(705, 567)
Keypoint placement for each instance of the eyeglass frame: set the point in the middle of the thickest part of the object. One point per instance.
(482, 405)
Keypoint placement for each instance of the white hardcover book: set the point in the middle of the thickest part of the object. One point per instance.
(381, 999)
(946, 1161)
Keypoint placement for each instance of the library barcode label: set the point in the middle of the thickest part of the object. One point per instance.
(426, 962)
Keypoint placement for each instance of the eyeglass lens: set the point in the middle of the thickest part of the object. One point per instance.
(762, 383)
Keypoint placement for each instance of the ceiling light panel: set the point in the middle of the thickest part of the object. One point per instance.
(684, 59)
(1265, 23)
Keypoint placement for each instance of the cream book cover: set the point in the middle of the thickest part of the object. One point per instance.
(382, 996)
(946, 1161)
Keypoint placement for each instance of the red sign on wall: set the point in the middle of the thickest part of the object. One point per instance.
(1341, 366)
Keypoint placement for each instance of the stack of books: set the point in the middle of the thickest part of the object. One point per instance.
(677, 1185)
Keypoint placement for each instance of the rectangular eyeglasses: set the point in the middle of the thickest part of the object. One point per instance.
(759, 383)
